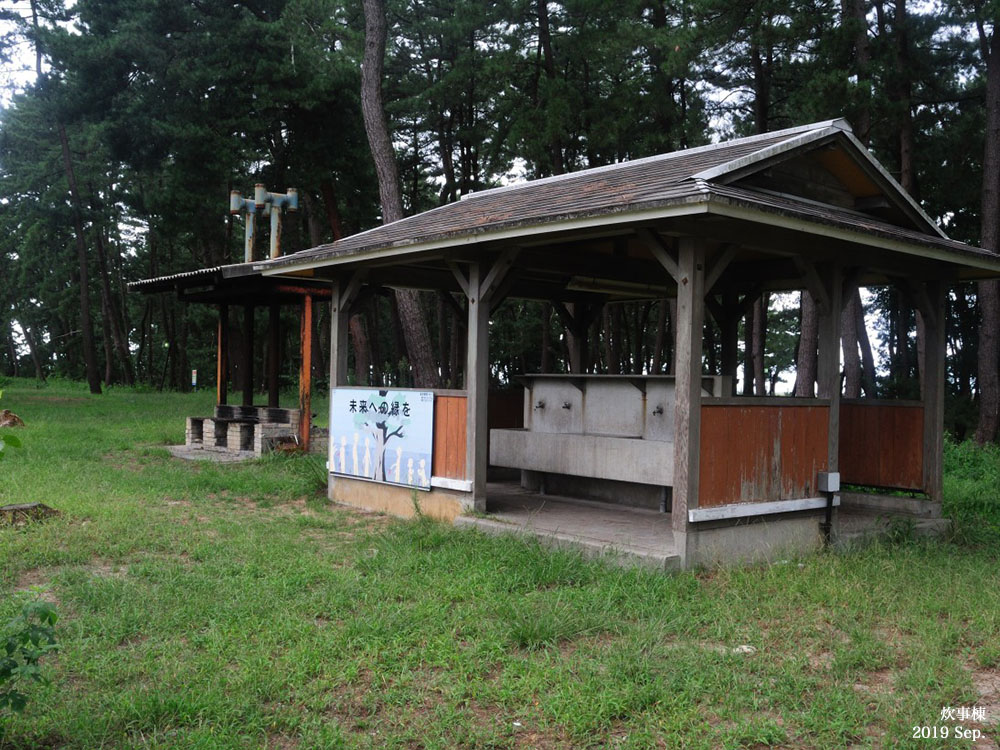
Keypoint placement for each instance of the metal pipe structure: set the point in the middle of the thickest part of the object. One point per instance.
(238, 204)
(288, 200)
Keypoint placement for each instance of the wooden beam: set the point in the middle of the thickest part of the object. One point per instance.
(719, 265)
(460, 276)
(305, 374)
(498, 272)
(815, 285)
(456, 308)
(352, 287)
(222, 357)
(303, 290)
(502, 290)
(719, 311)
(661, 251)
(916, 294)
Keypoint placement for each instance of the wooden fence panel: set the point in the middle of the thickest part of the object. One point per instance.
(449, 437)
(760, 453)
(881, 444)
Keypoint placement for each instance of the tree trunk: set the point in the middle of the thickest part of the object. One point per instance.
(867, 357)
(112, 317)
(853, 12)
(36, 358)
(12, 365)
(86, 326)
(362, 364)
(332, 212)
(989, 291)
(661, 335)
(411, 314)
(759, 340)
(109, 350)
(805, 377)
(546, 363)
(849, 344)
(545, 51)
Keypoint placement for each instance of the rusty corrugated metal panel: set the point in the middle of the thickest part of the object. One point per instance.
(760, 453)
(881, 445)
(448, 459)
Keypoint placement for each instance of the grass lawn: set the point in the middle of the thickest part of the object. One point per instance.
(209, 606)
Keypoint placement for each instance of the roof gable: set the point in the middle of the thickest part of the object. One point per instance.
(827, 166)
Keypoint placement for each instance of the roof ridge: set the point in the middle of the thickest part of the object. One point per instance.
(839, 123)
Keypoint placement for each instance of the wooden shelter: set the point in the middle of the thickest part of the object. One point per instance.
(807, 208)
(238, 286)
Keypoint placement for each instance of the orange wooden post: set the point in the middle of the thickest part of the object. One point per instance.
(222, 357)
(305, 375)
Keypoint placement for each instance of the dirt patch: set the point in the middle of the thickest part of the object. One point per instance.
(39, 580)
(348, 704)
(878, 682)
(105, 568)
(281, 742)
(821, 662)
(986, 683)
(124, 461)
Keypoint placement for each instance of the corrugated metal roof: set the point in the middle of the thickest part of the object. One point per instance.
(193, 278)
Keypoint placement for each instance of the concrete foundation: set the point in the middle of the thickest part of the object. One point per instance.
(904, 506)
(751, 540)
(445, 505)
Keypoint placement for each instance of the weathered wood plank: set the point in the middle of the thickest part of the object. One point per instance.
(882, 445)
(761, 453)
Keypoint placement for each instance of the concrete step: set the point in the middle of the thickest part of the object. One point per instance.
(590, 547)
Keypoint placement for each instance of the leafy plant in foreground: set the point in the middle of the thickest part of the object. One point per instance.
(7, 439)
(26, 639)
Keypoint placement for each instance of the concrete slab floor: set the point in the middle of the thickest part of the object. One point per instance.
(618, 532)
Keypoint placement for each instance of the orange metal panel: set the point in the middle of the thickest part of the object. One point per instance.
(449, 437)
(760, 453)
(881, 445)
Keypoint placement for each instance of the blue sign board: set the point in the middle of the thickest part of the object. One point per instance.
(382, 435)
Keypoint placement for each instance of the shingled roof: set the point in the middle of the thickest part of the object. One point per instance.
(692, 180)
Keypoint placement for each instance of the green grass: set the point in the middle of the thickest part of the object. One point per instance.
(208, 606)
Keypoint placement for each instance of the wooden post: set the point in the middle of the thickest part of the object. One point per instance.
(339, 314)
(934, 380)
(477, 363)
(305, 374)
(273, 345)
(248, 355)
(828, 359)
(222, 357)
(688, 373)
